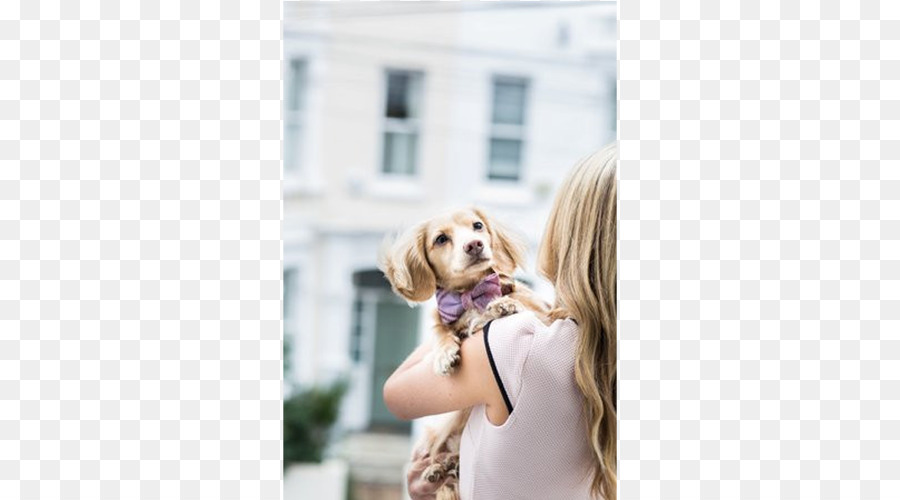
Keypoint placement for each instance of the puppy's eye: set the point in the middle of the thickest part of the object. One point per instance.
(441, 239)
(478, 226)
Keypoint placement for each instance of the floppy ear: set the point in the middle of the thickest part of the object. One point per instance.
(509, 249)
(405, 266)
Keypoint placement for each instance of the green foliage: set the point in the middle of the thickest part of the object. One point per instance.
(308, 418)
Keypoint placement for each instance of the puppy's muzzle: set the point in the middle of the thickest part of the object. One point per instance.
(474, 248)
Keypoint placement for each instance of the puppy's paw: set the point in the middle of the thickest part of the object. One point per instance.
(446, 359)
(433, 473)
(451, 466)
(503, 306)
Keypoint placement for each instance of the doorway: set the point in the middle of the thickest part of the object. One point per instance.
(385, 332)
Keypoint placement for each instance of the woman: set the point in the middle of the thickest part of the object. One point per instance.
(544, 422)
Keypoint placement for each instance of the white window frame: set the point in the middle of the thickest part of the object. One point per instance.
(506, 130)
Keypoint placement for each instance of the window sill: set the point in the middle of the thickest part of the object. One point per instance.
(299, 185)
(396, 188)
(505, 193)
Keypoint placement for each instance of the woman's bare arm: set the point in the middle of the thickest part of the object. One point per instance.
(414, 390)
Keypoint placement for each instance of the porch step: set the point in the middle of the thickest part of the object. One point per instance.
(375, 458)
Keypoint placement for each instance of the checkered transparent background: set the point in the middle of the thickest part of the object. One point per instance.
(759, 250)
(140, 250)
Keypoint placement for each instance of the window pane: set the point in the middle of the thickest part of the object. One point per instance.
(399, 153)
(296, 81)
(506, 155)
(509, 101)
(288, 283)
(292, 132)
(403, 94)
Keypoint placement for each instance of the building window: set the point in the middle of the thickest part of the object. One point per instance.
(507, 135)
(289, 285)
(294, 104)
(288, 311)
(402, 115)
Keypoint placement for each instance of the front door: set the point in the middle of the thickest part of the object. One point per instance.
(396, 327)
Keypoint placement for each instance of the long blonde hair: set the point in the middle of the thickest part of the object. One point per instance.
(578, 255)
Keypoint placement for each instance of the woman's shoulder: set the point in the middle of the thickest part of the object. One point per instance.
(513, 333)
(514, 336)
(530, 323)
(522, 323)
(514, 342)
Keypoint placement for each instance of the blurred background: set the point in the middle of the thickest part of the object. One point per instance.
(395, 111)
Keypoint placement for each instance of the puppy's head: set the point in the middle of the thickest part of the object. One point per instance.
(453, 251)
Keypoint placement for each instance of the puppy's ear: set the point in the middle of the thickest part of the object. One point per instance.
(509, 249)
(404, 264)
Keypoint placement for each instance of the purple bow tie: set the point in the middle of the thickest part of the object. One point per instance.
(452, 305)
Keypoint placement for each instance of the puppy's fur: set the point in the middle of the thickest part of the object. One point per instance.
(455, 252)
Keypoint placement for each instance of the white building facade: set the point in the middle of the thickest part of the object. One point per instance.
(392, 115)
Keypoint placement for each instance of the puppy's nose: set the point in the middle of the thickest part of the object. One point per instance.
(474, 247)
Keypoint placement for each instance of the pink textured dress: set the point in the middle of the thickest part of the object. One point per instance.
(541, 452)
